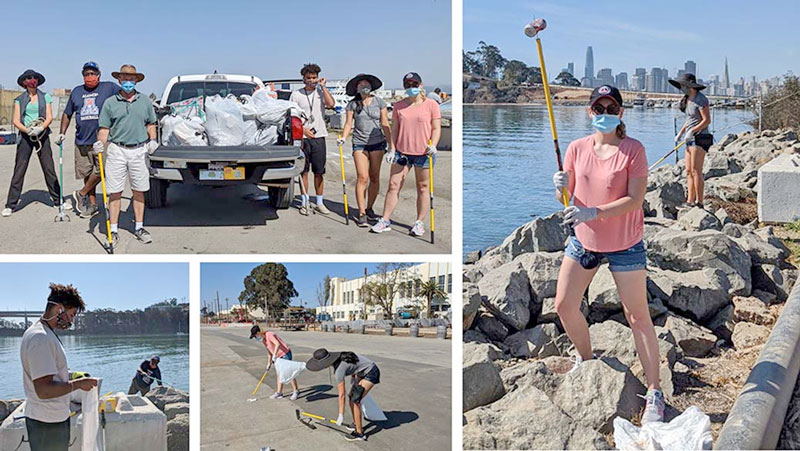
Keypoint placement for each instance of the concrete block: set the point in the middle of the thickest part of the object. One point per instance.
(778, 197)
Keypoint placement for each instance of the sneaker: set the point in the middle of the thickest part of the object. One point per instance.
(305, 210)
(418, 229)
(654, 407)
(114, 240)
(381, 226)
(143, 235)
(81, 203)
(578, 360)
(355, 436)
(321, 209)
(294, 396)
(350, 427)
(371, 214)
(276, 395)
(91, 210)
(362, 221)
(7, 212)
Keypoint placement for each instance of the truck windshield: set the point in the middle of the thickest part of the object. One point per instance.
(188, 89)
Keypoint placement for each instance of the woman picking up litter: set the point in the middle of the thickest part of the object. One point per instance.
(365, 374)
(605, 173)
(368, 119)
(695, 133)
(416, 122)
(276, 349)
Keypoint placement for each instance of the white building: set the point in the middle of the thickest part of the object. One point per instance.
(347, 303)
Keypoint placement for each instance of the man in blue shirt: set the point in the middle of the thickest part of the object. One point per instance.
(147, 372)
(85, 102)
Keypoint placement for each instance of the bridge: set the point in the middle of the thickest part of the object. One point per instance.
(19, 314)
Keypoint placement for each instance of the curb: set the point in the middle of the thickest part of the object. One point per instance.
(757, 416)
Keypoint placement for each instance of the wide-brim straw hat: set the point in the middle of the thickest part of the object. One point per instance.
(687, 80)
(322, 359)
(374, 82)
(28, 73)
(128, 69)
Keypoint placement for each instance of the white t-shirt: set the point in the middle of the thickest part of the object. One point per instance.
(312, 104)
(42, 355)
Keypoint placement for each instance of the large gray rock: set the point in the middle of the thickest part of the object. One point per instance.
(474, 273)
(698, 294)
(161, 396)
(717, 164)
(472, 302)
(543, 234)
(508, 293)
(475, 336)
(723, 323)
(481, 379)
(733, 187)
(531, 373)
(7, 407)
(698, 219)
(615, 341)
(603, 299)
(663, 200)
(542, 269)
(693, 339)
(472, 257)
(771, 279)
(557, 347)
(768, 234)
(175, 408)
(526, 419)
(178, 433)
(751, 310)
(492, 327)
(595, 393)
(746, 335)
(761, 251)
(527, 343)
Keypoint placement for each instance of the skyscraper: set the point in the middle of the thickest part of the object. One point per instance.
(588, 70)
(605, 77)
(571, 68)
(690, 67)
(622, 81)
(641, 78)
(725, 80)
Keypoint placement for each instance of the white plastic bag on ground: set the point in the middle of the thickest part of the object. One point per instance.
(690, 430)
(288, 370)
(224, 123)
(273, 111)
(90, 419)
(371, 410)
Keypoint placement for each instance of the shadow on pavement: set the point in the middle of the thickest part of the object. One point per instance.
(394, 419)
(198, 205)
(33, 196)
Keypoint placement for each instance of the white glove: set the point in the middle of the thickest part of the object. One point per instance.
(36, 130)
(561, 180)
(389, 156)
(432, 150)
(574, 215)
(678, 138)
(340, 141)
(151, 146)
(688, 136)
(60, 139)
(98, 147)
(339, 420)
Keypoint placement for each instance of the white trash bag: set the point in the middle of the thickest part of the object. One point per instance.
(224, 123)
(90, 419)
(189, 132)
(371, 410)
(191, 107)
(265, 136)
(691, 430)
(288, 370)
(273, 111)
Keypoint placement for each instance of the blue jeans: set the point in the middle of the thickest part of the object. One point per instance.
(632, 259)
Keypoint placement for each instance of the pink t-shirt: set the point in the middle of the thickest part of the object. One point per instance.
(282, 348)
(414, 125)
(598, 182)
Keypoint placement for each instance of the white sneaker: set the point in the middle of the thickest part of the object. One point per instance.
(7, 212)
(381, 226)
(418, 229)
(578, 361)
(294, 396)
(276, 395)
(321, 209)
(654, 407)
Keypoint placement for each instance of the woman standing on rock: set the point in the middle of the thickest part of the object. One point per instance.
(605, 174)
(695, 133)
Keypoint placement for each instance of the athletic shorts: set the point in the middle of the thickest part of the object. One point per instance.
(287, 356)
(47, 436)
(316, 153)
(86, 163)
(123, 163)
(419, 161)
(704, 140)
(373, 375)
(381, 146)
(633, 259)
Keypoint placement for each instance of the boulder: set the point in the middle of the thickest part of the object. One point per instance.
(527, 343)
(722, 323)
(603, 298)
(663, 200)
(733, 187)
(717, 164)
(472, 257)
(543, 234)
(508, 293)
(771, 279)
(612, 340)
(761, 251)
(698, 219)
(475, 272)
(693, 339)
(161, 396)
(557, 347)
(175, 408)
(550, 315)
(596, 393)
(723, 217)
(472, 302)
(542, 269)
(746, 335)
(734, 230)
(719, 146)
(475, 336)
(697, 294)
(526, 419)
(531, 373)
(751, 310)
(481, 379)
(492, 327)
(768, 234)
(178, 433)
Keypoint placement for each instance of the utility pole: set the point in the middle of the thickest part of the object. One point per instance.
(218, 305)
(227, 309)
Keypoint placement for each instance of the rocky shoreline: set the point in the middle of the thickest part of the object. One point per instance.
(714, 289)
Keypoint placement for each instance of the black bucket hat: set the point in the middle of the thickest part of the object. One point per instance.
(254, 330)
(374, 82)
(29, 73)
(322, 359)
(687, 80)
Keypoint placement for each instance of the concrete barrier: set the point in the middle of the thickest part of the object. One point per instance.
(757, 416)
(346, 329)
(389, 329)
(777, 194)
(441, 332)
(414, 330)
(361, 329)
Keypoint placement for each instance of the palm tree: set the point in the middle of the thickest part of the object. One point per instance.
(430, 290)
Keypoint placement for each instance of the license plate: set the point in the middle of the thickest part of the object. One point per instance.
(206, 174)
(169, 164)
(233, 173)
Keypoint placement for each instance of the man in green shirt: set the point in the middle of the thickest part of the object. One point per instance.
(128, 134)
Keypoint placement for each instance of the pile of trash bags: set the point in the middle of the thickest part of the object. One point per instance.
(227, 121)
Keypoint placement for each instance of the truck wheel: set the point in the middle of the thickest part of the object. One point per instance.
(281, 198)
(157, 196)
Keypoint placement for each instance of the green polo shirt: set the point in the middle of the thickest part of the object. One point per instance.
(127, 121)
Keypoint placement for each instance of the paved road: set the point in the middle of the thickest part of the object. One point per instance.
(415, 393)
(201, 219)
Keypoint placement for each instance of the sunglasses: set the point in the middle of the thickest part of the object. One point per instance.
(611, 109)
(410, 84)
(30, 77)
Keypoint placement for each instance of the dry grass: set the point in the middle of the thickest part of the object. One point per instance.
(790, 234)
(741, 212)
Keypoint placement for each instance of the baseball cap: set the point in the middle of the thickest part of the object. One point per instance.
(91, 65)
(156, 358)
(254, 330)
(412, 76)
(605, 91)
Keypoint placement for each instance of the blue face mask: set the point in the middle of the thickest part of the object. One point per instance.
(605, 123)
(128, 86)
(412, 92)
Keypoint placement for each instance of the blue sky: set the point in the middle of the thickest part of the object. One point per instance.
(267, 39)
(228, 278)
(121, 286)
(758, 39)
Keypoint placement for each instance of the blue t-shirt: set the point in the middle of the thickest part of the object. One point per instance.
(86, 105)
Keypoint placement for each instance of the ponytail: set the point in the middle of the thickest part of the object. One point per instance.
(422, 94)
(682, 104)
(620, 130)
(359, 103)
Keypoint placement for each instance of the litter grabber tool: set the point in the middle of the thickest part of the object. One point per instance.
(532, 30)
(61, 216)
(322, 421)
(303, 197)
(665, 156)
(430, 182)
(155, 379)
(260, 382)
(103, 427)
(344, 185)
(110, 248)
(307, 422)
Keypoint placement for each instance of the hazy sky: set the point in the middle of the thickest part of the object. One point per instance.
(759, 39)
(121, 286)
(270, 40)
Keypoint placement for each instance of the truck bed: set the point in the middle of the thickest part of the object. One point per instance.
(233, 154)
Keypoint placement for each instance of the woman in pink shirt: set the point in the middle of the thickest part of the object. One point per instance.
(276, 349)
(605, 174)
(416, 129)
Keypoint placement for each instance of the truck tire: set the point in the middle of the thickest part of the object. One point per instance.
(281, 198)
(157, 196)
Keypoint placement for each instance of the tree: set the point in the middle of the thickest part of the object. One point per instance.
(471, 63)
(781, 106)
(385, 287)
(534, 75)
(268, 286)
(566, 79)
(324, 291)
(491, 61)
(515, 73)
(429, 291)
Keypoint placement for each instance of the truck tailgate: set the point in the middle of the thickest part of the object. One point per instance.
(233, 154)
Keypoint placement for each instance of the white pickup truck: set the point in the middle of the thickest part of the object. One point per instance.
(273, 166)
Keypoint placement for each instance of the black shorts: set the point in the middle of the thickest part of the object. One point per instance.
(47, 436)
(315, 152)
(373, 375)
(704, 140)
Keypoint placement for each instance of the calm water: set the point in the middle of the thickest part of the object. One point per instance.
(509, 159)
(115, 359)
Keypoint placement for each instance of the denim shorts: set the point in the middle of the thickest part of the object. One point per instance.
(381, 146)
(287, 356)
(420, 161)
(633, 259)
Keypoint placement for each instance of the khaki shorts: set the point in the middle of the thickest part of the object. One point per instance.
(122, 163)
(86, 162)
